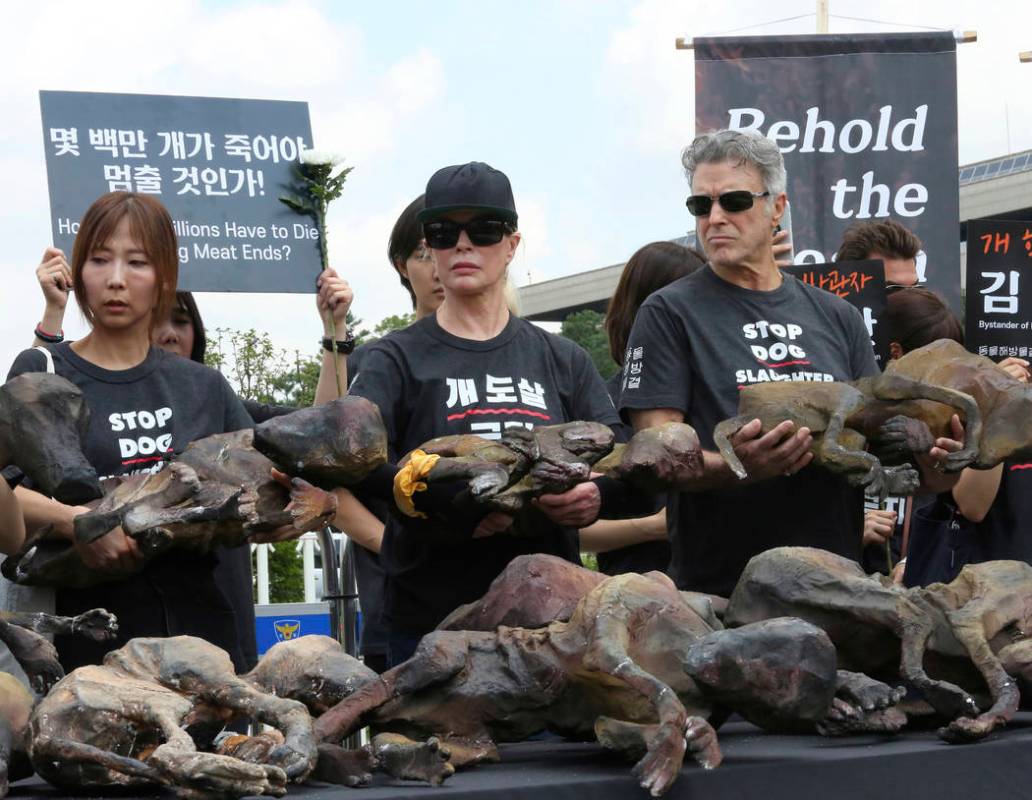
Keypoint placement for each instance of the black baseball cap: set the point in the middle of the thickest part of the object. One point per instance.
(475, 185)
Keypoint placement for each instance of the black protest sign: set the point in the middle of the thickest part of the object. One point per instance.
(219, 165)
(867, 125)
(859, 283)
(998, 313)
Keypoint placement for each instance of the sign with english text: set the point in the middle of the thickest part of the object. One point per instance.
(859, 283)
(218, 165)
(998, 313)
(867, 124)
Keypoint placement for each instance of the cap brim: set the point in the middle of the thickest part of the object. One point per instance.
(429, 214)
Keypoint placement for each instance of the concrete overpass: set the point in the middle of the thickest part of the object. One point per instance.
(1000, 188)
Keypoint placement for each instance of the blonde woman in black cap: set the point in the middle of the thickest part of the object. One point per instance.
(472, 367)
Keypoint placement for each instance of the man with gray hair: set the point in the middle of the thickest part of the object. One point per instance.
(740, 320)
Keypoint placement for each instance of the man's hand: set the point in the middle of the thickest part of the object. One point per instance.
(782, 246)
(781, 451)
(878, 526)
(112, 551)
(576, 508)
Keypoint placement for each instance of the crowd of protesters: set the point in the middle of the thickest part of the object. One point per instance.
(684, 328)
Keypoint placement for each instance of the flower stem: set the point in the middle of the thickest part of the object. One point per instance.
(324, 256)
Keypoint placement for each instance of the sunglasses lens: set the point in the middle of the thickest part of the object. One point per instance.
(441, 235)
(483, 232)
(736, 201)
(699, 205)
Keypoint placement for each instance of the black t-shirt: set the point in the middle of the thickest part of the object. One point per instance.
(694, 344)
(1006, 530)
(429, 383)
(369, 572)
(138, 417)
(644, 556)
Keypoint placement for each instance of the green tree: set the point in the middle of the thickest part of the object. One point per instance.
(258, 371)
(586, 329)
(395, 322)
(286, 573)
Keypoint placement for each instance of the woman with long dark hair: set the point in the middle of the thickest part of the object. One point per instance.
(638, 544)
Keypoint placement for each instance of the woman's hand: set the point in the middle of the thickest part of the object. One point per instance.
(112, 551)
(878, 526)
(1015, 367)
(55, 279)
(334, 298)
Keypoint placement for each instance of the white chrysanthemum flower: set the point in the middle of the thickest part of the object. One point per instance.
(321, 157)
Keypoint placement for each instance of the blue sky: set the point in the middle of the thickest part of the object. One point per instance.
(585, 105)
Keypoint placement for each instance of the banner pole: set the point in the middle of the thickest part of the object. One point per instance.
(961, 37)
(822, 16)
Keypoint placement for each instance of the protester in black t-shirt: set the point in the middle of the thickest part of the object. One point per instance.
(639, 544)
(739, 321)
(472, 367)
(145, 403)
(182, 333)
(363, 522)
(996, 501)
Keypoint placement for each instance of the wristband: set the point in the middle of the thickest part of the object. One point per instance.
(345, 346)
(49, 338)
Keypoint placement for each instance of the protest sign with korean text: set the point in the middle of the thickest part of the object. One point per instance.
(218, 165)
(998, 318)
(859, 283)
(867, 125)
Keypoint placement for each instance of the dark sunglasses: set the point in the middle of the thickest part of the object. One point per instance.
(699, 205)
(896, 287)
(444, 234)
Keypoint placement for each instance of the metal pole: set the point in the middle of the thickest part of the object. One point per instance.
(308, 566)
(349, 590)
(261, 558)
(331, 583)
(349, 593)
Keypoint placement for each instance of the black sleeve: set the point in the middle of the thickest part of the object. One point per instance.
(381, 382)
(12, 475)
(30, 360)
(589, 398)
(862, 362)
(449, 502)
(658, 372)
(262, 412)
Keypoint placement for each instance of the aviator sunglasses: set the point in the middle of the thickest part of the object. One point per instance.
(444, 234)
(700, 205)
